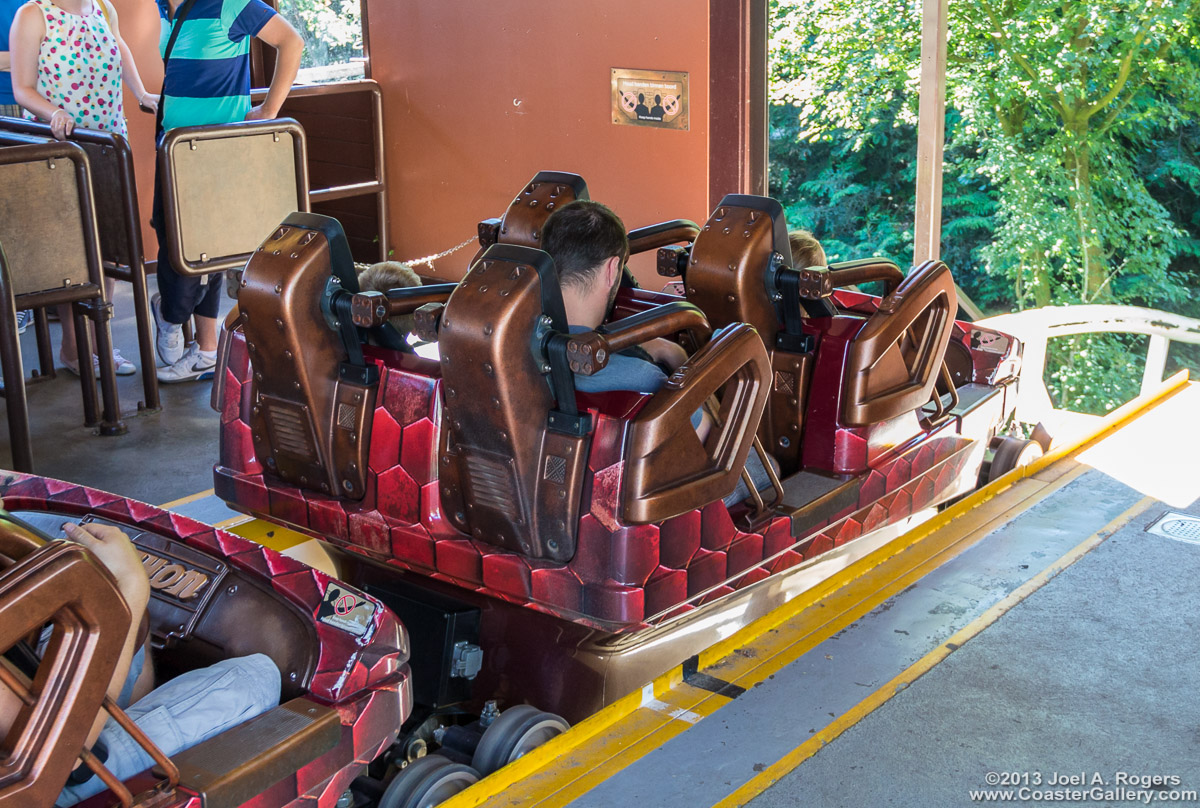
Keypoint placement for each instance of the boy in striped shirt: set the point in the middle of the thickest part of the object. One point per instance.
(208, 82)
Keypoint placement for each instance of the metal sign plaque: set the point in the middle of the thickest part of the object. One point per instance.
(653, 98)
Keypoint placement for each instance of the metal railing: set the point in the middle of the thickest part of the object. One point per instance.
(1036, 327)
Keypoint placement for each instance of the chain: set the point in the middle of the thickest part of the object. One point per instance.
(429, 259)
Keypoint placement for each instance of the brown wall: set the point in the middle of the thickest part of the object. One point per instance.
(479, 95)
(140, 25)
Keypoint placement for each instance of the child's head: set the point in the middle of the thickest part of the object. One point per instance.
(390, 275)
(806, 250)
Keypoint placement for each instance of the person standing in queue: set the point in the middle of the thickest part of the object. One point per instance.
(206, 49)
(68, 61)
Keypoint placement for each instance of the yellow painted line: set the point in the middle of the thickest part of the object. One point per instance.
(816, 615)
(545, 774)
(773, 773)
(268, 534)
(177, 503)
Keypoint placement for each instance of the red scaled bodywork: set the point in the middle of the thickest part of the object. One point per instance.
(366, 680)
(622, 576)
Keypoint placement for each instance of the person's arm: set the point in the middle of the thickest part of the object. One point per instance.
(279, 34)
(129, 69)
(25, 40)
(666, 353)
(5, 61)
(114, 549)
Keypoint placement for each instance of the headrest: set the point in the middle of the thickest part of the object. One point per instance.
(542, 195)
(771, 208)
(341, 261)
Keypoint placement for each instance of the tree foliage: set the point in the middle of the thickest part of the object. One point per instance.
(1071, 158)
(331, 29)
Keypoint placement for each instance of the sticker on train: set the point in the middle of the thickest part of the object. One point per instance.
(346, 609)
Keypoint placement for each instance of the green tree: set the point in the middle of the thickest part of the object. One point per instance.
(331, 29)
(1071, 173)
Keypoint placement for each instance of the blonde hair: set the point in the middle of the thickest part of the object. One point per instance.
(390, 275)
(806, 250)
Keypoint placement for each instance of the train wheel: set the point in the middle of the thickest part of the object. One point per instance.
(426, 782)
(1012, 453)
(516, 732)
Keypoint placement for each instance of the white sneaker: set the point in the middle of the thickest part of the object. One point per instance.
(24, 318)
(168, 340)
(122, 365)
(191, 366)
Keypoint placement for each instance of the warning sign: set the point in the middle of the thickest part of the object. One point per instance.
(650, 98)
(346, 609)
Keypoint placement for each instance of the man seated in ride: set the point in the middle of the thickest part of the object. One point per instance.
(588, 244)
(178, 714)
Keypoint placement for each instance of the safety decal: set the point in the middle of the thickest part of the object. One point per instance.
(346, 609)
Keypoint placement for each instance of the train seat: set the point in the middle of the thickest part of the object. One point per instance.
(835, 370)
(341, 654)
(503, 476)
(613, 517)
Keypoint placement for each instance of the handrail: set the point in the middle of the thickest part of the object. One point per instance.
(1036, 327)
(133, 268)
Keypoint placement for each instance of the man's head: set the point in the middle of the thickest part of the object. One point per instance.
(588, 244)
(806, 250)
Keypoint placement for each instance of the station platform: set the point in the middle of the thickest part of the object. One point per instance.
(1042, 629)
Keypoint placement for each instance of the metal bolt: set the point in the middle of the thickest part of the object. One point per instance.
(489, 713)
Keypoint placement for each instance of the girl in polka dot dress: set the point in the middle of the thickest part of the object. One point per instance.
(68, 61)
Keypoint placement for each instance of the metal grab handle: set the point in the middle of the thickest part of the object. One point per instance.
(651, 237)
(588, 353)
(373, 309)
(866, 270)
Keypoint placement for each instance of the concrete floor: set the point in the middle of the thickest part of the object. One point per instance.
(164, 456)
(1093, 673)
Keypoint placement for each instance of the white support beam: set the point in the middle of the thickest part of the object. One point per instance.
(931, 132)
(1156, 363)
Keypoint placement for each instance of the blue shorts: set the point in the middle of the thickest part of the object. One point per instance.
(183, 712)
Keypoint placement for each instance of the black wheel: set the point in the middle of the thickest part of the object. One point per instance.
(516, 732)
(1012, 453)
(426, 782)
